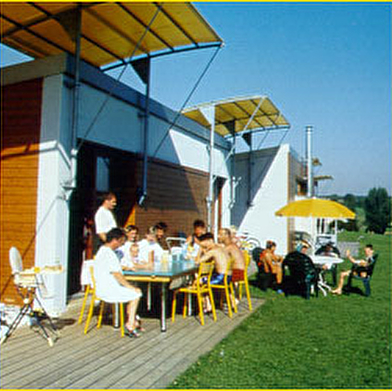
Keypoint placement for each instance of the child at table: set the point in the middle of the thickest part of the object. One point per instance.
(131, 260)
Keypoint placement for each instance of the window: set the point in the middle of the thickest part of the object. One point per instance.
(102, 182)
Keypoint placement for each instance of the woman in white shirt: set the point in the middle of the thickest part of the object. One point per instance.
(111, 286)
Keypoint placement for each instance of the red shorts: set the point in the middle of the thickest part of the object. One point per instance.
(238, 275)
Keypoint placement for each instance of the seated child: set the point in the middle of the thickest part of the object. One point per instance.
(131, 260)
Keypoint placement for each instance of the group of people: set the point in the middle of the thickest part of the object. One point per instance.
(120, 249)
(273, 264)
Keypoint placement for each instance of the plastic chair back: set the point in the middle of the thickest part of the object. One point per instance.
(16, 262)
(229, 267)
(175, 242)
(367, 269)
(93, 283)
(176, 250)
(371, 267)
(85, 275)
(205, 270)
(247, 259)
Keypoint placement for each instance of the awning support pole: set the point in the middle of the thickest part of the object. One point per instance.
(146, 129)
(75, 104)
(210, 197)
(250, 162)
(233, 178)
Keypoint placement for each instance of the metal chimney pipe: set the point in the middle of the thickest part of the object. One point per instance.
(309, 131)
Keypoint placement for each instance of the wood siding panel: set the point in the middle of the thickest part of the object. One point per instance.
(176, 195)
(21, 122)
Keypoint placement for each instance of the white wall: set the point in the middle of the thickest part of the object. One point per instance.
(120, 125)
(52, 208)
(270, 195)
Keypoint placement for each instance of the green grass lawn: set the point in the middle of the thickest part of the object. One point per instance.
(324, 342)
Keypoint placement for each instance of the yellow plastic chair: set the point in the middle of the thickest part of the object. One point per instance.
(226, 286)
(245, 282)
(200, 287)
(101, 307)
(86, 281)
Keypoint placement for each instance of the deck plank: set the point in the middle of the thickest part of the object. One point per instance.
(102, 359)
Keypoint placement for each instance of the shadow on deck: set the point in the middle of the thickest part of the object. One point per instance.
(102, 359)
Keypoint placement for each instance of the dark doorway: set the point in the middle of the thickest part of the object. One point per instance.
(218, 187)
(100, 169)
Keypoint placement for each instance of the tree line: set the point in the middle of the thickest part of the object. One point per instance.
(377, 210)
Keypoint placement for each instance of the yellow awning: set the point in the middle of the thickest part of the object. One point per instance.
(258, 111)
(110, 31)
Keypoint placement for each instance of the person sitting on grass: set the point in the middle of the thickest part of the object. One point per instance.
(273, 263)
(111, 285)
(359, 268)
(327, 251)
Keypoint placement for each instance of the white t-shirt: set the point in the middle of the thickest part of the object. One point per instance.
(189, 251)
(104, 220)
(145, 247)
(107, 287)
(125, 251)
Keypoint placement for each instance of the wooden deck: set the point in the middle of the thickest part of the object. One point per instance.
(102, 359)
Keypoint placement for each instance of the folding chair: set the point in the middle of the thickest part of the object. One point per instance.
(101, 307)
(200, 287)
(245, 281)
(27, 286)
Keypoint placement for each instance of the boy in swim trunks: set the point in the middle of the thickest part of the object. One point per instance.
(212, 251)
(233, 252)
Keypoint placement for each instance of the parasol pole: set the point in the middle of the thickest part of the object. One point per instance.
(309, 130)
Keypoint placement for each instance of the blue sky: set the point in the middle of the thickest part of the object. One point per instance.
(323, 64)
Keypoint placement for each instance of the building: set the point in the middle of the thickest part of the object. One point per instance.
(49, 194)
(41, 216)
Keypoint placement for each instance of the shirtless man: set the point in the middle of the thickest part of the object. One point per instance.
(273, 263)
(212, 251)
(233, 252)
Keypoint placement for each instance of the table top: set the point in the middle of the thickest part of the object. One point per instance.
(325, 260)
(165, 269)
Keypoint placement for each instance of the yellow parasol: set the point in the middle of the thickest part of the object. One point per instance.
(314, 207)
